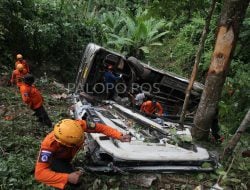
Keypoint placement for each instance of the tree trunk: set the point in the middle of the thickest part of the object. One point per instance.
(232, 15)
(235, 139)
(197, 61)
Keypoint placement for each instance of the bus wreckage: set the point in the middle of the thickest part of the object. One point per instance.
(158, 144)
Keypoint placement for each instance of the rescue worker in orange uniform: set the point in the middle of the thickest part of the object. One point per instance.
(32, 96)
(20, 60)
(152, 107)
(17, 75)
(59, 147)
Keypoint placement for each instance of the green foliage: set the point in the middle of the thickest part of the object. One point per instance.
(186, 44)
(206, 165)
(46, 33)
(236, 95)
(237, 175)
(243, 48)
(51, 36)
(235, 100)
(132, 34)
(17, 158)
(183, 46)
(182, 10)
(21, 136)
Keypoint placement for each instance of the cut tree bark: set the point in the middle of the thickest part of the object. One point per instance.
(232, 15)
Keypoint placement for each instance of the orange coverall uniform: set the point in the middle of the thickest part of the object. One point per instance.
(24, 63)
(51, 149)
(31, 96)
(149, 108)
(17, 77)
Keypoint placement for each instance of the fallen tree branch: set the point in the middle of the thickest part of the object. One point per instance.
(228, 169)
(235, 139)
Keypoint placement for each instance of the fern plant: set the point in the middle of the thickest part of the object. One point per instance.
(133, 35)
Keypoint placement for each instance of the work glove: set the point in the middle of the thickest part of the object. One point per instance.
(125, 138)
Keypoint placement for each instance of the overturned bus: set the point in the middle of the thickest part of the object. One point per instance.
(158, 143)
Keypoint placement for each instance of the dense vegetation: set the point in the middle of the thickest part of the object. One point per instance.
(51, 34)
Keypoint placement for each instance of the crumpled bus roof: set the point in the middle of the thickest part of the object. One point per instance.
(158, 144)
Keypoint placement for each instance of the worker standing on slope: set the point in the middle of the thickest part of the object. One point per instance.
(59, 147)
(32, 96)
(17, 75)
(20, 60)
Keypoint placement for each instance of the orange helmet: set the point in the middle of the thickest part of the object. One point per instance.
(19, 56)
(69, 133)
(19, 67)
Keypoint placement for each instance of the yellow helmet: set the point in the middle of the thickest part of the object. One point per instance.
(68, 132)
(19, 67)
(19, 56)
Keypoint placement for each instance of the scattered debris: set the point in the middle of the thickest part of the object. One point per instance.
(216, 187)
(199, 187)
(144, 180)
(59, 85)
(59, 96)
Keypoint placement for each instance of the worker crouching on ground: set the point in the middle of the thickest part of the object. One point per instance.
(20, 60)
(32, 96)
(53, 165)
(152, 107)
(17, 75)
